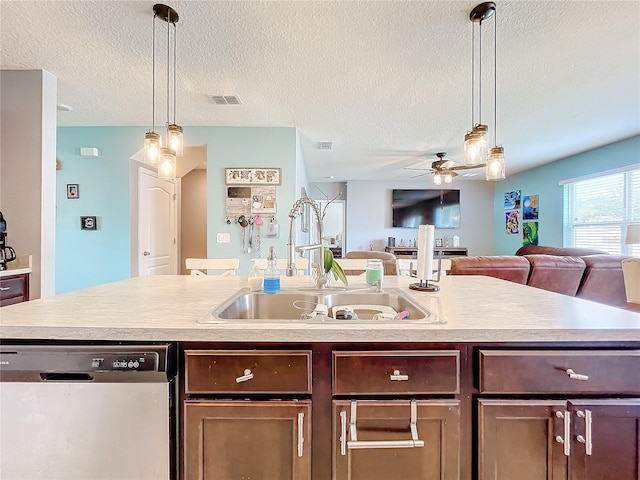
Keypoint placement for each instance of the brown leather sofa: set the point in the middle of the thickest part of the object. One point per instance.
(585, 273)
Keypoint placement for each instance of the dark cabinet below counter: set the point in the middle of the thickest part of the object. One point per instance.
(14, 289)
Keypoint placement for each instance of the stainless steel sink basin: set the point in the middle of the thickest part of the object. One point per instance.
(299, 307)
(254, 306)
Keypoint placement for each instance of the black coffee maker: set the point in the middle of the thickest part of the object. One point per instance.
(7, 254)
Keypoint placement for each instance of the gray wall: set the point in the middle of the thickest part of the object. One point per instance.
(369, 215)
(28, 170)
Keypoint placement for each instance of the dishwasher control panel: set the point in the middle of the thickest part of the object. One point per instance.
(143, 362)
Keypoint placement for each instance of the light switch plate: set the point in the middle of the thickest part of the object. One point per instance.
(223, 237)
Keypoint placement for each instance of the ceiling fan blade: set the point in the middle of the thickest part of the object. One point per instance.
(421, 175)
(467, 167)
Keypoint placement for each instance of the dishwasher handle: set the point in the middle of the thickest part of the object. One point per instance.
(66, 377)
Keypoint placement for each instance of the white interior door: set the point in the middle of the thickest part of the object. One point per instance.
(156, 225)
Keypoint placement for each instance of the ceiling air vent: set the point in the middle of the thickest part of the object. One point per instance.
(225, 99)
(325, 145)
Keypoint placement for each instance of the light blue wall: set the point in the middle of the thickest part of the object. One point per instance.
(543, 181)
(87, 258)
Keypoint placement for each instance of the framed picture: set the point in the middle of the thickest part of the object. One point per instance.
(438, 242)
(255, 176)
(72, 190)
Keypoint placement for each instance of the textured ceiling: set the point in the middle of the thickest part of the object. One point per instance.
(386, 81)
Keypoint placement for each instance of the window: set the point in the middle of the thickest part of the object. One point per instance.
(598, 208)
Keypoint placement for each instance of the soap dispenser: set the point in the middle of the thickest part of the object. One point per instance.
(271, 274)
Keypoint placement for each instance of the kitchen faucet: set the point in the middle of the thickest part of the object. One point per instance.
(321, 278)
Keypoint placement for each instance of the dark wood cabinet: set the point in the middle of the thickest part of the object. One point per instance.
(14, 289)
(559, 439)
(396, 439)
(245, 439)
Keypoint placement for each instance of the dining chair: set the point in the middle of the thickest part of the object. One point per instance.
(199, 266)
(302, 264)
(352, 266)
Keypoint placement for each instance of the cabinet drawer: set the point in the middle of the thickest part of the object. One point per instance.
(12, 286)
(396, 372)
(560, 371)
(247, 371)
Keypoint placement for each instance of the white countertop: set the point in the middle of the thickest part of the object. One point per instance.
(166, 308)
(22, 264)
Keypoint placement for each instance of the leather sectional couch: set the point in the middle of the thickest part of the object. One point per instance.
(585, 273)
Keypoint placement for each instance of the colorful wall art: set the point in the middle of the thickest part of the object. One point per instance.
(512, 221)
(530, 233)
(530, 207)
(512, 200)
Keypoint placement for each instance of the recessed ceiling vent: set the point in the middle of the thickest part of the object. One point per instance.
(225, 99)
(325, 145)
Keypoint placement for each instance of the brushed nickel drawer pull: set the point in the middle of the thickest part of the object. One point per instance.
(300, 433)
(576, 376)
(396, 376)
(353, 443)
(343, 432)
(248, 375)
(567, 433)
(588, 445)
(4, 289)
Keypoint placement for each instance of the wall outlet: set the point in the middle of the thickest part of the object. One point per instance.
(223, 237)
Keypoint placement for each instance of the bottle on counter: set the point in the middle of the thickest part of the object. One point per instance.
(255, 279)
(271, 274)
(375, 271)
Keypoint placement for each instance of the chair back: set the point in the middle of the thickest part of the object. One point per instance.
(198, 266)
(302, 264)
(352, 266)
(388, 259)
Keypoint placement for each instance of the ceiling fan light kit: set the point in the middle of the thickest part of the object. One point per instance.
(154, 152)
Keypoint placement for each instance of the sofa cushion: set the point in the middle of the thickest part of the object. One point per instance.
(558, 274)
(511, 268)
(570, 251)
(603, 280)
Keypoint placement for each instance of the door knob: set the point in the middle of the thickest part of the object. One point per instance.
(146, 254)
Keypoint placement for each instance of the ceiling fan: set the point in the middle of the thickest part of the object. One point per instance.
(443, 170)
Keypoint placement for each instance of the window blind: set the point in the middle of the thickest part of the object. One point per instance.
(597, 210)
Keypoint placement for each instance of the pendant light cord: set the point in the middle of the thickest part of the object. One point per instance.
(168, 62)
(175, 55)
(495, 79)
(480, 76)
(153, 75)
(473, 72)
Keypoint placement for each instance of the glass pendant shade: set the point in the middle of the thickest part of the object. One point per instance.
(481, 143)
(174, 139)
(495, 164)
(152, 146)
(167, 165)
(437, 179)
(472, 149)
(448, 178)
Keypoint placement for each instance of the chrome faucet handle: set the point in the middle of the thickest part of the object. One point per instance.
(378, 285)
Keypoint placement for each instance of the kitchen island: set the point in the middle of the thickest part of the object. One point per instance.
(507, 366)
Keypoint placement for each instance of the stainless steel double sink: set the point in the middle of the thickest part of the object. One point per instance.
(309, 307)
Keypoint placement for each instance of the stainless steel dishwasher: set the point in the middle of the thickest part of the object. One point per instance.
(86, 412)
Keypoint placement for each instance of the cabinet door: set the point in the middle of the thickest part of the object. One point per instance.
(522, 439)
(606, 439)
(383, 449)
(244, 439)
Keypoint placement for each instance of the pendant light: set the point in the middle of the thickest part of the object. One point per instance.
(475, 143)
(495, 159)
(174, 131)
(153, 140)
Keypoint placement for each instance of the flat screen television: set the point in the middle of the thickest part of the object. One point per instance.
(412, 208)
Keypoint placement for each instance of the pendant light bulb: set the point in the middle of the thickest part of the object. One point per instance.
(175, 139)
(495, 164)
(167, 164)
(152, 146)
